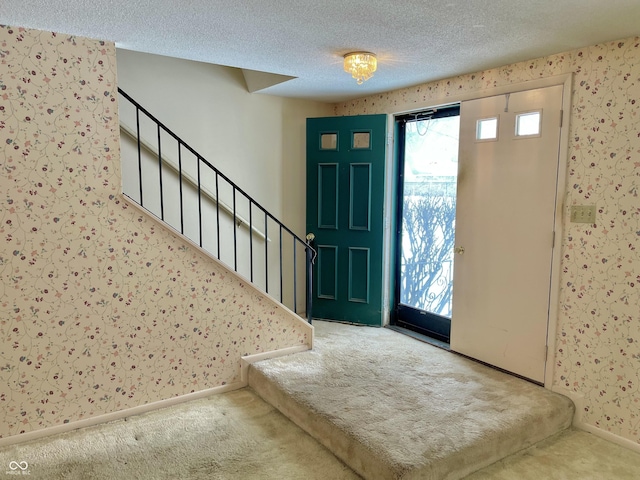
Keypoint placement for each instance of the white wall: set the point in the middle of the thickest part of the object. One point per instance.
(257, 140)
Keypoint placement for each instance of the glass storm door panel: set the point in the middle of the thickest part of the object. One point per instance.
(429, 169)
(345, 200)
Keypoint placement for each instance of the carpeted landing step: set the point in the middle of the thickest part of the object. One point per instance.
(392, 407)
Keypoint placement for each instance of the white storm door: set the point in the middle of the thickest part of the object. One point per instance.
(505, 228)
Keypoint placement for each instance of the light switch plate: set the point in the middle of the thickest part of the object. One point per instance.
(583, 213)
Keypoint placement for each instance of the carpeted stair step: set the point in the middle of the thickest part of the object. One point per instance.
(392, 407)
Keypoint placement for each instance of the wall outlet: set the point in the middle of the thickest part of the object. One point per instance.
(583, 213)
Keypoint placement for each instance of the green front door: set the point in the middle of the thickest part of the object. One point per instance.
(345, 200)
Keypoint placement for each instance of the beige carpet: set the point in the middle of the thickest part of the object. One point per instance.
(392, 407)
(236, 436)
(572, 455)
(251, 441)
(229, 436)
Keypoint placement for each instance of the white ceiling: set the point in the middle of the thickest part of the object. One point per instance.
(416, 40)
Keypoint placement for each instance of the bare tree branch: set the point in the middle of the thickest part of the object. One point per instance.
(427, 252)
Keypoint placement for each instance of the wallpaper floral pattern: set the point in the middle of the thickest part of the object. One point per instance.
(598, 345)
(101, 308)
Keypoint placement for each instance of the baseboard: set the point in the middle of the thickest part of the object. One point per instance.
(247, 360)
(580, 424)
(120, 414)
(611, 437)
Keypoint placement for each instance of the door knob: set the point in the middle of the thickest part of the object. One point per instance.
(459, 250)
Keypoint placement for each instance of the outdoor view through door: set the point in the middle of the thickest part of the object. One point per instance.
(428, 163)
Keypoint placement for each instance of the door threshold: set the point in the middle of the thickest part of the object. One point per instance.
(419, 336)
(445, 346)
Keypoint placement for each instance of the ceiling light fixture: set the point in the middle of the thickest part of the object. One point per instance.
(360, 65)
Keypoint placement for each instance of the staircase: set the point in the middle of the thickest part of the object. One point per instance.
(173, 182)
(392, 407)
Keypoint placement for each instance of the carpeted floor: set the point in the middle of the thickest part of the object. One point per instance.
(237, 436)
(392, 407)
(234, 435)
(572, 455)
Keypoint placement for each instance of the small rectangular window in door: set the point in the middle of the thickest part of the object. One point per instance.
(329, 141)
(361, 140)
(487, 129)
(528, 124)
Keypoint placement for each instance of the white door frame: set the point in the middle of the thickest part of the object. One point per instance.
(560, 211)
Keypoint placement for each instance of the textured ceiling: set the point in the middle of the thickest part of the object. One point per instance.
(416, 40)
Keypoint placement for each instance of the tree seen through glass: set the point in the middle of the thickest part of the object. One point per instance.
(428, 219)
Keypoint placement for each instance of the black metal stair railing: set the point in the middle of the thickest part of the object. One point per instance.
(193, 191)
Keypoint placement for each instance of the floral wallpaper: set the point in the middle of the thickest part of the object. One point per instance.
(101, 308)
(598, 346)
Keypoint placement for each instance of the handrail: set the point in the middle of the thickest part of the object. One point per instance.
(213, 193)
(239, 219)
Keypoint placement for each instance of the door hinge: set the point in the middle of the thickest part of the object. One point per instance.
(546, 352)
(561, 117)
(553, 239)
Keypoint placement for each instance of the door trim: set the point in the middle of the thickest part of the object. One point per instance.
(561, 210)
